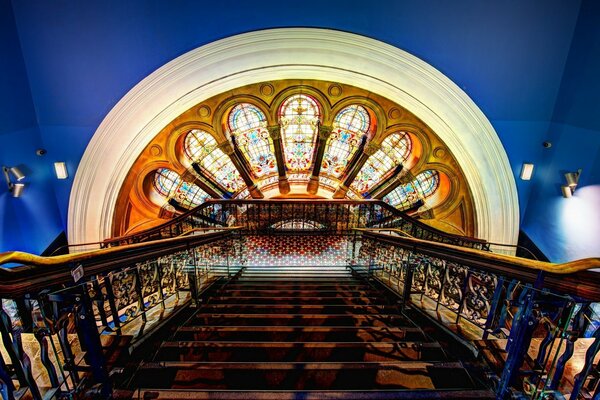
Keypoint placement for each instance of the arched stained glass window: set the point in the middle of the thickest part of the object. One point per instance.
(248, 126)
(405, 196)
(299, 116)
(201, 147)
(394, 151)
(350, 126)
(169, 184)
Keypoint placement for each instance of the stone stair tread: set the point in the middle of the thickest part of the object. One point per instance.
(315, 376)
(185, 394)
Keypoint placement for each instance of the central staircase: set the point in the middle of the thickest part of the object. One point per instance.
(302, 332)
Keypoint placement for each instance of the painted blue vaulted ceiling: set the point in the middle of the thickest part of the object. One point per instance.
(531, 66)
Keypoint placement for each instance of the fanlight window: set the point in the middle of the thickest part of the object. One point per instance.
(169, 184)
(201, 148)
(394, 151)
(350, 126)
(405, 196)
(248, 126)
(299, 116)
(298, 224)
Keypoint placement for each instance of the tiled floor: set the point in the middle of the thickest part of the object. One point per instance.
(296, 250)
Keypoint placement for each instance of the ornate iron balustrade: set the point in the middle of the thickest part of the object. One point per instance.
(120, 291)
(537, 311)
(273, 216)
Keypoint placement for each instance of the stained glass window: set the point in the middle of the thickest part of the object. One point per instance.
(405, 196)
(169, 184)
(248, 126)
(299, 117)
(201, 147)
(350, 126)
(393, 152)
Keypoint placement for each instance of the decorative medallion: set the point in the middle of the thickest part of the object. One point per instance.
(439, 152)
(394, 113)
(204, 111)
(335, 90)
(267, 89)
(156, 150)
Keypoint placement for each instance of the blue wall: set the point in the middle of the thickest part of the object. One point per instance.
(32, 222)
(80, 58)
(567, 229)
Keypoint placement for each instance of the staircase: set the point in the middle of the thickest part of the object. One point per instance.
(301, 332)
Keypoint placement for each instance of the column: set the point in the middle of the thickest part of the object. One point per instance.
(275, 134)
(238, 161)
(313, 181)
(353, 169)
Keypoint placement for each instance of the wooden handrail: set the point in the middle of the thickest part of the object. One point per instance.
(38, 272)
(210, 202)
(572, 277)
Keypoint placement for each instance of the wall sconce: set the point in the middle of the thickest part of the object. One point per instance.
(60, 168)
(526, 171)
(15, 188)
(572, 179)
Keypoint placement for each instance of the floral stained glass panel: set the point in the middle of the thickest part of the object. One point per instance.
(394, 151)
(405, 196)
(170, 185)
(248, 126)
(299, 117)
(201, 147)
(350, 126)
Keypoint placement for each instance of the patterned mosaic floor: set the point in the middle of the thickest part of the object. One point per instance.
(296, 250)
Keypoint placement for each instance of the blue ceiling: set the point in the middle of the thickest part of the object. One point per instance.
(531, 67)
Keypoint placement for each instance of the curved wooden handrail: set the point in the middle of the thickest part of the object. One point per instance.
(574, 277)
(19, 257)
(553, 268)
(118, 238)
(38, 272)
(210, 202)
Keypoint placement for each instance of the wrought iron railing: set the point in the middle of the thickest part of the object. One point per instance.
(532, 314)
(67, 302)
(277, 216)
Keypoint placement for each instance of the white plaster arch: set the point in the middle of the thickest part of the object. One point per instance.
(288, 53)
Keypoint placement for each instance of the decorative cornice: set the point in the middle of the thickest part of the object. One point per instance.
(272, 55)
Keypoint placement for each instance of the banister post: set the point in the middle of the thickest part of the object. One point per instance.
(519, 338)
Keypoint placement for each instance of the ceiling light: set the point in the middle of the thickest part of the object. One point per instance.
(60, 168)
(526, 171)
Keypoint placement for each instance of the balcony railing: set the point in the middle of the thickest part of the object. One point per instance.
(531, 314)
(68, 302)
(277, 216)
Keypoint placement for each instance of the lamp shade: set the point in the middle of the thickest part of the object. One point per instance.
(572, 178)
(566, 191)
(17, 189)
(17, 173)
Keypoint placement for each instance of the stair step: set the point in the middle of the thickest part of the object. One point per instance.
(298, 319)
(299, 333)
(327, 286)
(303, 300)
(185, 394)
(274, 292)
(299, 351)
(326, 309)
(304, 376)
